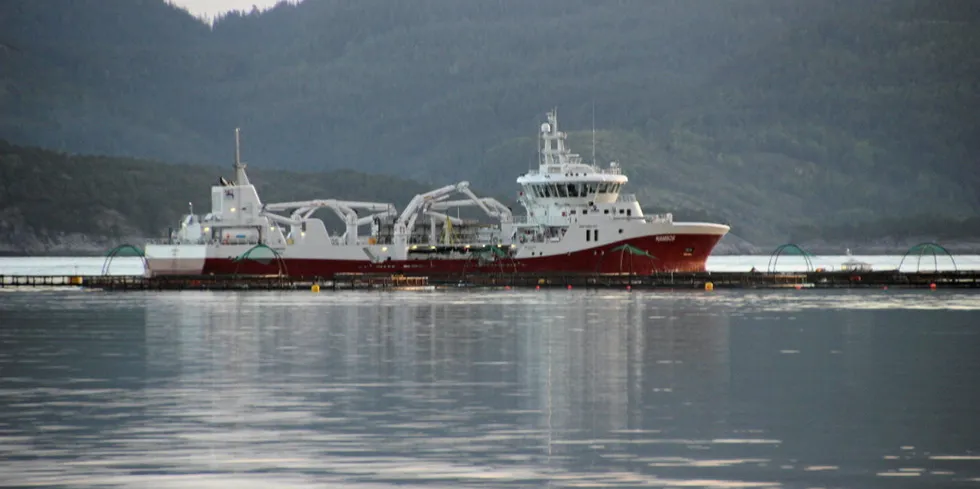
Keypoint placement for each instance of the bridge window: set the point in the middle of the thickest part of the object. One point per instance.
(572, 190)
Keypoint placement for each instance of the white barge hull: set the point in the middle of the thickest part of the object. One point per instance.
(176, 259)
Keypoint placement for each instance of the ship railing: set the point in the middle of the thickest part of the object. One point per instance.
(239, 242)
(174, 241)
(659, 218)
(537, 238)
(166, 241)
(603, 171)
(652, 218)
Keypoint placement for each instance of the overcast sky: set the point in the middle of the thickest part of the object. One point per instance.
(209, 8)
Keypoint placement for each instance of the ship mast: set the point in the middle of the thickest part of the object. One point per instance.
(553, 145)
(240, 177)
(593, 133)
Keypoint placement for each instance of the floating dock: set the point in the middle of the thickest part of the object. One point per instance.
(215, 282)
(701, 280)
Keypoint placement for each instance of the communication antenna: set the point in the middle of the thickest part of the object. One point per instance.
(238, 153)
(537, 151)
(593, 132)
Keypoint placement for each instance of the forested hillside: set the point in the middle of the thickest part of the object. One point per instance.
(51, 200)
(770, 115)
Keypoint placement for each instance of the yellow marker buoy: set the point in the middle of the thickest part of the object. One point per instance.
(315, 288)
(709, 286)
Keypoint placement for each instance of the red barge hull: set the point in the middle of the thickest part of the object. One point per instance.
(687, 253)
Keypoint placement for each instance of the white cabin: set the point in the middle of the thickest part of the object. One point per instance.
(565, 190)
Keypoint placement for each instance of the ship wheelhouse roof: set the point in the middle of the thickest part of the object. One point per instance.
(571, 178)
(573, 174)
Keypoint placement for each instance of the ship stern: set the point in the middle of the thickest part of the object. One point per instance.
(175, 259)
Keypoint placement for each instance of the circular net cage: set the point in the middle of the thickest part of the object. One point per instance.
(623, 255)
(125, 257)
(260, 260)
(499, 255)
(794, 253)
(927, 254)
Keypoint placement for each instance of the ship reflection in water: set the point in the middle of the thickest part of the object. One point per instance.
(489, 389)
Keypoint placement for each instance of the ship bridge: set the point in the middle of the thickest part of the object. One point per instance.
(563, 187)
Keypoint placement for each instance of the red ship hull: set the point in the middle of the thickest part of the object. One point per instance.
(686, 253)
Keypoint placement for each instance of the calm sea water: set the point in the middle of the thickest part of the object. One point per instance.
(371, 390)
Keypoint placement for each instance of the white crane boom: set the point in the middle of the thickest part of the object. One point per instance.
(344, 209)
(317, 203)
(443, 217)
(492, 207)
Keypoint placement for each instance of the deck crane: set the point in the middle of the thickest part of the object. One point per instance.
(431, 202)
(492, 207)
(344, 209)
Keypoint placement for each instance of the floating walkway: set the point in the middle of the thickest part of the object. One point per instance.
(702, 280)
(740, 280)
(215, 282)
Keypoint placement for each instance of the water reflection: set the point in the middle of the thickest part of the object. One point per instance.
(494, 389)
